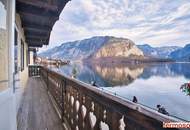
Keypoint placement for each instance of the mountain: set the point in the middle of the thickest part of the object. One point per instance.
(75, 50)
(157, 52)
(182, 54)
(109, 49)
(95, 47)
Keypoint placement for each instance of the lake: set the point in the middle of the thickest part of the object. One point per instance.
(152, 84)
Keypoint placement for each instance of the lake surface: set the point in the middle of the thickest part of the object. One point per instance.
(152, 84)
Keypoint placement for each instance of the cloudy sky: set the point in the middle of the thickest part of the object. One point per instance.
(156, 22)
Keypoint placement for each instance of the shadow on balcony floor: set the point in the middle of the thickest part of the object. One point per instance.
(36, 111)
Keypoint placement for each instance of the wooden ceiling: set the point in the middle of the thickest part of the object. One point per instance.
(38, 18)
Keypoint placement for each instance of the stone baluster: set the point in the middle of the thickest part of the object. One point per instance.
(89, 120)
(82, 112)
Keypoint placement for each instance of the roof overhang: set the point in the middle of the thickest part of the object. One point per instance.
(38, 18)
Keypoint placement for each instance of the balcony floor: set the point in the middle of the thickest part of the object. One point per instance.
(36, 111)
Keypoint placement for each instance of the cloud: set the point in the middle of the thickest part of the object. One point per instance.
(157, 23)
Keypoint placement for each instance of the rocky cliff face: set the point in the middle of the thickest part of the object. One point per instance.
(117, 47)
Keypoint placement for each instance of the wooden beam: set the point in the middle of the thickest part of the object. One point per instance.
(40, 34)
(35, 45)
(35, 30)
(36, 26)
(40, 4)
(36, 41)
(28, 15)
(35, 36)
(35, 10)
(35, 21)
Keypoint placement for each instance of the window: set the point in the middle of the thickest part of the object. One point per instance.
(22, 55)
(16, 51)
(27, 57)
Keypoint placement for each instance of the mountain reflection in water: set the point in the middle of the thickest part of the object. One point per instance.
(118, 75)
(152, 84)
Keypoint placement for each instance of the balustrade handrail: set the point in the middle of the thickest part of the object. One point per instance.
(107, 108)
(34, 70)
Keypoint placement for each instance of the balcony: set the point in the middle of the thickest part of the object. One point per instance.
(54, 101)
(36, 111)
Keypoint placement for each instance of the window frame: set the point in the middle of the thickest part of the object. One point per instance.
(22, 55)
